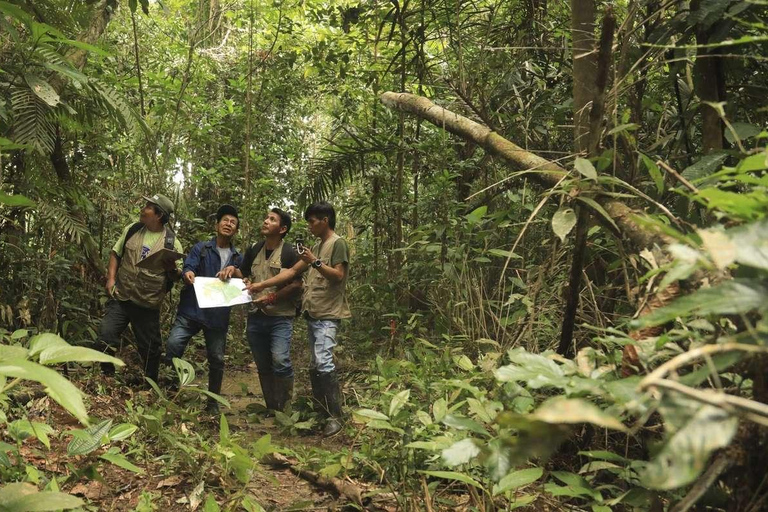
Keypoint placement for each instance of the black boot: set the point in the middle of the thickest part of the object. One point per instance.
(267, 381)
(215, 378)
(283, 388)
(318, 404)
(331, 398)
(152, 367)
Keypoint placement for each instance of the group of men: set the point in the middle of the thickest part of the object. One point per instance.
(281, 279)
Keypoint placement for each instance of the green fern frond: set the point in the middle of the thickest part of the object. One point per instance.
(111, 100)
(31, 121)
(61, 221)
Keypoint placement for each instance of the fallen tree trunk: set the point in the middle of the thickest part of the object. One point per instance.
(334, 485)
(540, 170)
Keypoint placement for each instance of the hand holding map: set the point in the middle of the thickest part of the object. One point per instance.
(212, 292)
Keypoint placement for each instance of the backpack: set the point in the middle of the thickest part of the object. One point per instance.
(170, 240)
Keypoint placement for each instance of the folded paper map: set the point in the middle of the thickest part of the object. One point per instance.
(212, 292)
(157, 260)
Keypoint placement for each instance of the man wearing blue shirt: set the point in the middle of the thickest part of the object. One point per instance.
(206, 259)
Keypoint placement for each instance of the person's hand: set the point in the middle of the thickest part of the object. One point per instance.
(189, 277)
(265, 300)
(110, 286)
(254, 288)
(226, 273)
(307, 256)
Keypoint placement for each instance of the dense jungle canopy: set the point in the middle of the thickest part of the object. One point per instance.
(556, 213)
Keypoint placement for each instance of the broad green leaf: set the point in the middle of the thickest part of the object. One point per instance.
(384, 425)
(85, 46)
(751, 242)
(517, 479)
(370, 414)
(727, 298)
(16, 12)
(629, 127)
(122, 431)
(585, 168)
(42, 89)
(503, 254)
(22, 429)
(424, 417)
(16, 201)
(756, 162)
(65, 354)
(597, 465)
(464, 362)
(398, 401)
(654, 172)
(476, 215)
(12, 352)
(24, 497)
(19, 333)
(462, 423)
(45, 340)
(452, 475)
(211, 505)
(184, 370)
(535, 370)
(705, 166)
(251, 505)
(439, 409)
(120, 461)
(563, 222)
(461, 452)
(603, 455)
(742, 131)
(575, 410)
(424, 445)
(57, 387)
(687, 451)
(86, 441)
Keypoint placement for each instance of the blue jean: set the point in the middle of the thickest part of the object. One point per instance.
(322, 339)
(182, 331)
(270, 341)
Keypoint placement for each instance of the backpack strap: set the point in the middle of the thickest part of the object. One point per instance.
(170, 238)
(135, 228)
(284, 254)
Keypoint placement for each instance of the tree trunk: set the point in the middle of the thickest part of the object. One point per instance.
(545, 172)
(584, 68)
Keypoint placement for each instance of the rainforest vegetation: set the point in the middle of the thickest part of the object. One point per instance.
(556, 213)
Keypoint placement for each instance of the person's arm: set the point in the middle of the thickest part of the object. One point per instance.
(337, 270)
(284, 277)
(283, 293)
(112, 272)
(191, 265)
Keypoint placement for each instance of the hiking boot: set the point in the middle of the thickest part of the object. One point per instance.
(283, 392)
(267, 381)
(328, 384)
(212, 407)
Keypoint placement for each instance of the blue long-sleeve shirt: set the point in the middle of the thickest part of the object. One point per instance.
(204, 261)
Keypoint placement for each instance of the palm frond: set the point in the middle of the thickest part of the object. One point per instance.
(32, 124)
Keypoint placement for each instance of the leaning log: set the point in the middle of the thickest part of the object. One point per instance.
(538, 169)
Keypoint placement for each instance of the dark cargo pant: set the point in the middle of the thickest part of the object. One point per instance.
(145, 324)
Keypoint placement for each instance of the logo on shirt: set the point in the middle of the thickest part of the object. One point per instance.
(144, 252)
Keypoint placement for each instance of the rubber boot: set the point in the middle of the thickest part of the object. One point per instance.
(329, 384)
(318, 404)
(267, 381)
(215, 378)
(283, 392)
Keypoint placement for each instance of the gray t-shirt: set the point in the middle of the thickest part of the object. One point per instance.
(224, 253)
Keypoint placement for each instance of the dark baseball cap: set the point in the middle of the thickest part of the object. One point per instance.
(226, 209)
(161, 201)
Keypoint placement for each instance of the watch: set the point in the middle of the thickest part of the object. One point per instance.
(317, 263)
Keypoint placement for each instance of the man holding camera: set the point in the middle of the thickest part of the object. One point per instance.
(270, 321)
(324, 304)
